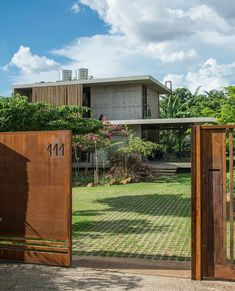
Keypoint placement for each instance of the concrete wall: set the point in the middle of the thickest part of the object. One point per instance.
(117, 102)
(153, 103)
(136, 129)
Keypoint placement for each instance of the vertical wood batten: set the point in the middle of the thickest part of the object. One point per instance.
(58, 95)
(196, 204)
(231, 189)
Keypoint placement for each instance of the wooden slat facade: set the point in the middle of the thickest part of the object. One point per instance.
(58, 95)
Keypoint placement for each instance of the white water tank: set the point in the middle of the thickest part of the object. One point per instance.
(82, 74)
(66, 75)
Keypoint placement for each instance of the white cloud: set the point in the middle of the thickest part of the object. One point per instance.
(226, 8)
(104, 56)
(210, 75)
(75, 8)
(177, 80)
(140, 20)
(30, 67)
(158, 20)
(162, 51)
(29, 63)
(205, 17)
(187, 41)
(114, 55)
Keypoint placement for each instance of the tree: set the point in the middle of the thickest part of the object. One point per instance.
(174, 105)
(227, 113)
(17, 114)
(208, 104)
(183, 103)
(127, 160)
(136, 146)
(93, 143)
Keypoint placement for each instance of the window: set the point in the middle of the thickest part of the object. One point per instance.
(145, 102)
(86, 101)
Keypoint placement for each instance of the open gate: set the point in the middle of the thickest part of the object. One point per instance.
(35, 197)
(213, 202)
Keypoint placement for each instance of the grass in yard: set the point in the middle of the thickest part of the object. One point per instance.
(144, 220)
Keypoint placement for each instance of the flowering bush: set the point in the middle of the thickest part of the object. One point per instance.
(127, 160)
(102, 139)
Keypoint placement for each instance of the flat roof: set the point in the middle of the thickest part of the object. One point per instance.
(145, 80)
(165, 121)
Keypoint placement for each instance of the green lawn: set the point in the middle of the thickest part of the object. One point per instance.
(145, 220)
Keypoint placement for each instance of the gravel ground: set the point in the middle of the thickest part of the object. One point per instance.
(34, 277)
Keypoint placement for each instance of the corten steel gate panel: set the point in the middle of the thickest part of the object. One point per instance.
(212, 202)
(35, 197)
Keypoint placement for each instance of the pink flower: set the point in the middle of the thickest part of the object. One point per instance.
(93, 137)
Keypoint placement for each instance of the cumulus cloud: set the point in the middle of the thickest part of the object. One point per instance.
(114, 55)
(75, 8)
(31, 67)
(29, 63)
(158, 20)
(164, 53)
(105, 56)
(189, 42)
(226, 8)
(177, 80)
(210, 75)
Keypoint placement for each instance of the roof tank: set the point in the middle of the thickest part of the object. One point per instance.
(66, 75)
(82, 73)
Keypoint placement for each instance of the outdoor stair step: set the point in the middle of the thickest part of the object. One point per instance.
(165, 170)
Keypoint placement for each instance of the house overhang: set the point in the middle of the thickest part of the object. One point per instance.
(166, 122)
(144, 80)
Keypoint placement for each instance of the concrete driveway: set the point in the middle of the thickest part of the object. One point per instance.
(82, 277)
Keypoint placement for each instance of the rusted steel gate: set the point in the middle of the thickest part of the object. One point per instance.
(35, 197)
(213, 202)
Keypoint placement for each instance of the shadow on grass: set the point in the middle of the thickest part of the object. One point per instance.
(129, 208)
(183, 179)
(177, 205)
(87, 212)
(119, 226)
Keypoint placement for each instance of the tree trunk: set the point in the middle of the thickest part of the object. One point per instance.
(96, 173)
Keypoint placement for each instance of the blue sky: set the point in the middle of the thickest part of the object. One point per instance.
(189, 42)
(41, 25)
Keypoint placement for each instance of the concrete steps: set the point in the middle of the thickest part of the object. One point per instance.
(164, 172)
(168, 169)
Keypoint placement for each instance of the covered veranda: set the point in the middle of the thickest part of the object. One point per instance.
(173, 136)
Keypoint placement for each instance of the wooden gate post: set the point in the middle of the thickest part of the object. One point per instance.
(210, 207)
(196, 242)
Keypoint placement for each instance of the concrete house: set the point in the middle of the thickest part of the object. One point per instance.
(133, 101)
(125, 98)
